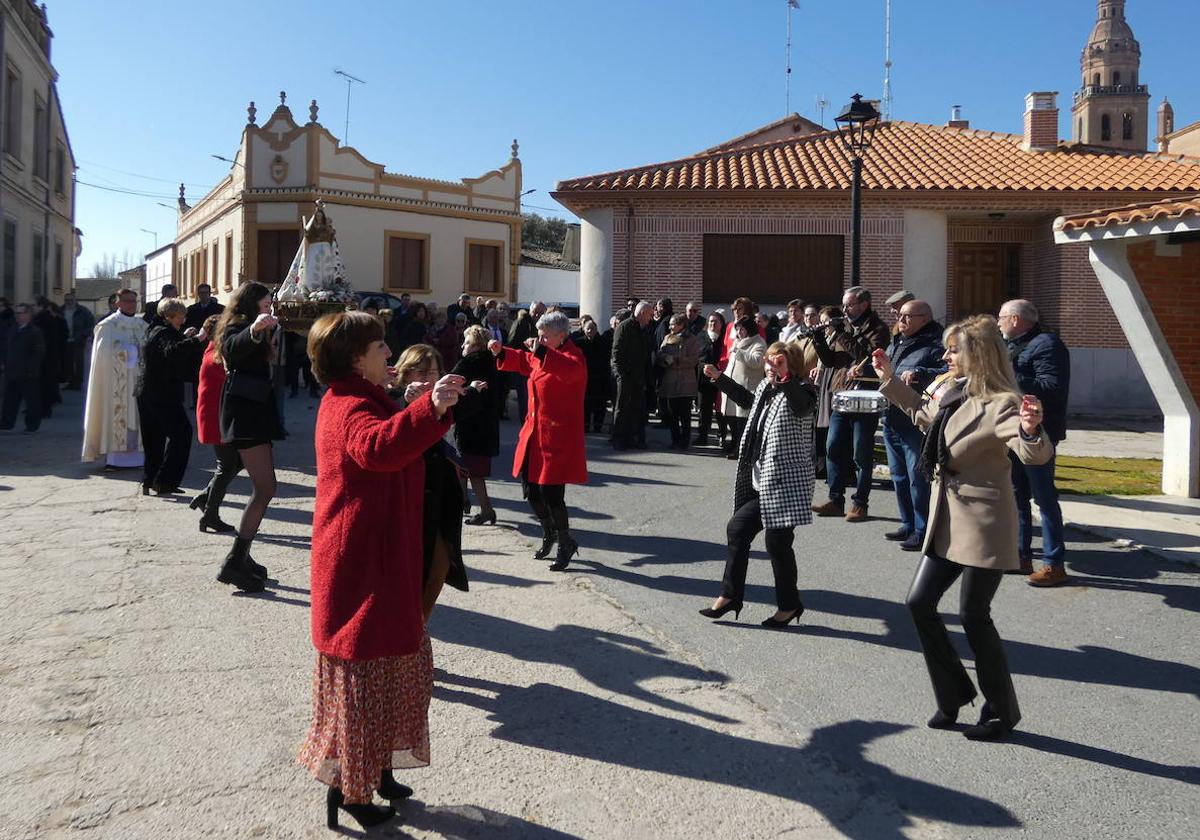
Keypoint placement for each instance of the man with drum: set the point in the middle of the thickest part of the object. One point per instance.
(854, 420)
(916, 354)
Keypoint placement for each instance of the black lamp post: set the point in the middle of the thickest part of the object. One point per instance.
(855, 126)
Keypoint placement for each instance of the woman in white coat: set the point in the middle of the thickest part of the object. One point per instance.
(745, 367)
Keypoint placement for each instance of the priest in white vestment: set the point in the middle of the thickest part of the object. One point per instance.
(110, 417)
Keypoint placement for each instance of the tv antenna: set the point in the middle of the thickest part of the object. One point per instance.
(822, 103)
(350, 82)
(791, 4)
(887, 61)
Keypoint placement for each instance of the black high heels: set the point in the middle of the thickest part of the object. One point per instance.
(368, 815)
(200, 502)
(215, 525)
(946, 720)
(390, 789)
(990, 727)
(734, 607)
(482, 518)
(775, 624)
(567, 548)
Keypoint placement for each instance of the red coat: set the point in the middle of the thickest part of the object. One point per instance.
(367, 521)
(208, 399)
(552, 437)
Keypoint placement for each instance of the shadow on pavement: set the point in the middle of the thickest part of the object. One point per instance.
(460, 822)
(1097, 755)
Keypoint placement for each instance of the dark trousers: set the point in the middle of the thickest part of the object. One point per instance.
(520, 384)
(75, 369)
(737, 425)
(743, 527)
(629, 413)
(1035, 482)
(851, 437)
(707, 400)
(594, 408)
(820, 433)
(16, 391)
(549, 504)
(298, 364)
(951, 685)
(167, 440)
(229, 464)
(50, 395)
(679, 419)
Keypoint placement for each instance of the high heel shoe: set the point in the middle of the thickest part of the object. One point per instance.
(145, 489)
(200, 502)
(368, 815)
(734, 607)
(779, 625)
(946, 720)
(567, 548)
(549, 538)
(482, 518)
(990, 727)
(215, 525)
(390, 789)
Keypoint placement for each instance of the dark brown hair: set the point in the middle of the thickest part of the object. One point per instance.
(242, 309)
(336, 340)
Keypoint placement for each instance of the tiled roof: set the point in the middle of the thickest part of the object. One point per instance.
(546, 257)
(1149, 211)
(905, 156)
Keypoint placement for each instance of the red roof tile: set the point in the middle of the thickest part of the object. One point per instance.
(1148, 211)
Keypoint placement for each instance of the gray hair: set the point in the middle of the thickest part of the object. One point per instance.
(1023, 309)
(554, 321)
(170, 307)
(642, 306)
(860, 293)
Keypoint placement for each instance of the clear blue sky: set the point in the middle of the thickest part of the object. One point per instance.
(153, 89)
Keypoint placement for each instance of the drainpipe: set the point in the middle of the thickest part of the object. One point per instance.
(47, 286)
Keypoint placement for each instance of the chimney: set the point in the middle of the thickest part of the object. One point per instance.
(956, 120)
(1166, 125)
(1041, 121)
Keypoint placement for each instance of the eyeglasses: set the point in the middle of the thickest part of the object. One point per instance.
(907, 316)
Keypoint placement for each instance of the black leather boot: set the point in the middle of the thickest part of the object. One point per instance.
(236, 571)
(567, 548)
(549, 537)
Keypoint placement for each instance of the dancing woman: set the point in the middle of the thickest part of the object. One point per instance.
(550, 451)
(972, 525)
(774, 483)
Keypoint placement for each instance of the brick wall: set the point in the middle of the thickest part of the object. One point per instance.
(1170, 279)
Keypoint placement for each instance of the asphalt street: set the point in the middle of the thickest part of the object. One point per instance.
(1106, 668)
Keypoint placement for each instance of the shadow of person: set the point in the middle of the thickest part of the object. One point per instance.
(463, 822)
(831, 773)
(610, 661)
(1109, 758)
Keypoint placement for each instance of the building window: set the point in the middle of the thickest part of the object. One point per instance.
(1116, 77)
(10, 259)
(483, 265)
(1127, 126)
(39, 265)
(60, 169)
(406, 261)
(41, 139)
(229, 261)
(1105, 128)
(12, 112)
(773, 268)
(216, 264)
(1079, 130)
(59, 265)
(1096, 80)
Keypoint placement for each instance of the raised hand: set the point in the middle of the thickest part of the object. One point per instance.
(1031, 414)
(712, 373)
(882, 364)
(495, 347)
(446, 392)
(264, 322)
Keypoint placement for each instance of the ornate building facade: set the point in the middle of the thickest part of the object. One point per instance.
(1112, 108)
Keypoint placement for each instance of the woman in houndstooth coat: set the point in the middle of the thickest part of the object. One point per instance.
(774, 485)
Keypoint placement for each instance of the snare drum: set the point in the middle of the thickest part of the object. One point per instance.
(859, 402)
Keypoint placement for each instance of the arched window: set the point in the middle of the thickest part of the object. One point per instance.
(1127, 126)
(1105, 128)
(1116, 77)
(1079, 130)
(1096, 80)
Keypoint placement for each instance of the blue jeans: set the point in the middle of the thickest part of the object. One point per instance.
(903, 442)
(850, 435)
(1037, 483)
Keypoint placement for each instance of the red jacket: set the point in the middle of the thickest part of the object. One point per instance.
(208, 398)
(367, 525)
(552, 437)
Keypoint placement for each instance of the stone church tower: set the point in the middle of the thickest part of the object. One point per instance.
(1113, 107)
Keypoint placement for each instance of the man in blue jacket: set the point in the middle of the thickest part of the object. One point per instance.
(916, 353)
(1042, 364)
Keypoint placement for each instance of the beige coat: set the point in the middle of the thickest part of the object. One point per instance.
(973, 512)
(745, 367)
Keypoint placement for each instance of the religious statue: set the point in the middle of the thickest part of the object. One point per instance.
(317, 272)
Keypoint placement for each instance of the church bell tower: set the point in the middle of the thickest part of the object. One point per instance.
(1112, 108)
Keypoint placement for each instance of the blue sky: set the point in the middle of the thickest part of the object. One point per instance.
(152, 89)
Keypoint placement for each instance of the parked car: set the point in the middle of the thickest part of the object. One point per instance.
(381, 299)
(571, 310)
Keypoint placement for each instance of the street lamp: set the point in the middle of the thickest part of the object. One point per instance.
(856, 125)
(152, 233)
(227, 160)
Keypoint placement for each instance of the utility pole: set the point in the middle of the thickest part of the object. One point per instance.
(350, 81)
(791, 4)
(887, 61)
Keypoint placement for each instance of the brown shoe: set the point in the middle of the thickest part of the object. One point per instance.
(1048, 575)
(830, 508)
(858, 513)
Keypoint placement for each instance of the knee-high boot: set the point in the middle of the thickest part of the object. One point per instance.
(549, 538)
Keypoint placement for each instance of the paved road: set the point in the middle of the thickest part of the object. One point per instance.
(1106, 669)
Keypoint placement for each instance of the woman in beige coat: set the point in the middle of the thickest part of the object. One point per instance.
(745, 367)
(972, 530)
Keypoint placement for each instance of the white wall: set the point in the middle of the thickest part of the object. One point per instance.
(549, 285)
(160, 270)
(925, 270)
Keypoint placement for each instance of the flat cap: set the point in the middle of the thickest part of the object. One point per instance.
(902, 296)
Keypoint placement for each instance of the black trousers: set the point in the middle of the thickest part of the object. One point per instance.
(679, 419)
(743, 527)
(549, 504)
(17, 391)
(629, 413)
(737, 425)
(229, 464)
(951, 685)
(707, 400)
(167, 440)
(75, 371)
(595, 406)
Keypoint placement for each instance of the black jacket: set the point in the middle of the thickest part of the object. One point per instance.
(1042, 364)
(167, 361)
(25, 353)
(244, 418)
(478, 432)
(198, 313)
(631, 351)
(597, 352)
(54, 336)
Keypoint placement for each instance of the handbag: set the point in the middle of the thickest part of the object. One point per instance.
(253, 388)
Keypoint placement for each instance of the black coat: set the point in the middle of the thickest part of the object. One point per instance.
(1042, 364)
(54, 334)
(166, 362)
(198, 313)
(597, 352)
(243, 418)
(411, 331)
(25, 354)
(478, 432)
(631, 351)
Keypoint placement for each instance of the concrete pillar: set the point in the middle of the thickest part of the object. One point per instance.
(925, 237)
(595, 264)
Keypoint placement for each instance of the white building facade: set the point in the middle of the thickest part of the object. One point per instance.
(160, 270)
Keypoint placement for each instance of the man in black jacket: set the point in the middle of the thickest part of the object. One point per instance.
(80, 323)
(150, 310)
(630, 362)
(204, 306)
(24, 356)
(1042, 364)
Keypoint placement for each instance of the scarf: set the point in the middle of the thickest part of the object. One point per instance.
(934, 453)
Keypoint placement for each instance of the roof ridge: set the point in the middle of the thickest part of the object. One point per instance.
(1137, 205)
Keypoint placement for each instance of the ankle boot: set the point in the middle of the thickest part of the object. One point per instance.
(390, 789)
(368, 815)
(567, 548)
(236, 571)
(549, 537)
(200, 502)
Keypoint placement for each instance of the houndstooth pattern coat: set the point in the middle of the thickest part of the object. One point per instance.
(786, 481)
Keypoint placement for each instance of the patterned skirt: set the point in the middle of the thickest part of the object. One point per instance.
(368, 716)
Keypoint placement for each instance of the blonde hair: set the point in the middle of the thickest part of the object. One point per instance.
(795, 356)
(983, 357)
(170, 307)
(476, 336)
(416, 357)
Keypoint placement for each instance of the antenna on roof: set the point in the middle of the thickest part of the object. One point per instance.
(822, 103)
(887, 61)
(791, 4)
(350, 80)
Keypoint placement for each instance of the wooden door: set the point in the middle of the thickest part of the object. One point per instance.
(985, 276)
(276, 249)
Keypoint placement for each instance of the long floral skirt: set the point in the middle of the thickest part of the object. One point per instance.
(368, 716)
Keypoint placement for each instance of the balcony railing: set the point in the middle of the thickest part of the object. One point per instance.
(1110, 90)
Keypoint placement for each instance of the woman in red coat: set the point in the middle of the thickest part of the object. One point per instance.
(550, 451)
(374, 670)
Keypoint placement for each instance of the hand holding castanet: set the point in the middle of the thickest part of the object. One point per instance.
(1031, 414)
(882, 364)
(712, 373)
(446, 392)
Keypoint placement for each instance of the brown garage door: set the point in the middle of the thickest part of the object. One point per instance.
(276, 249)
(772, 267)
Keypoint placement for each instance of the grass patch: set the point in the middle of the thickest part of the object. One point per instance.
(1089, 476)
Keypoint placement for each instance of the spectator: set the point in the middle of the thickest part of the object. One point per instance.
(80, 324)
(745, 368)
(463, 305)
(478, 433)
(708, 394)
(205, 307)
(24, 357)
(150, 311)
(795, 328)
(415, 327)
(678, 356)
(630, 364)
(894, 304)
(695, 319)
(54, 332)
(597, 352)
(446, 338)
